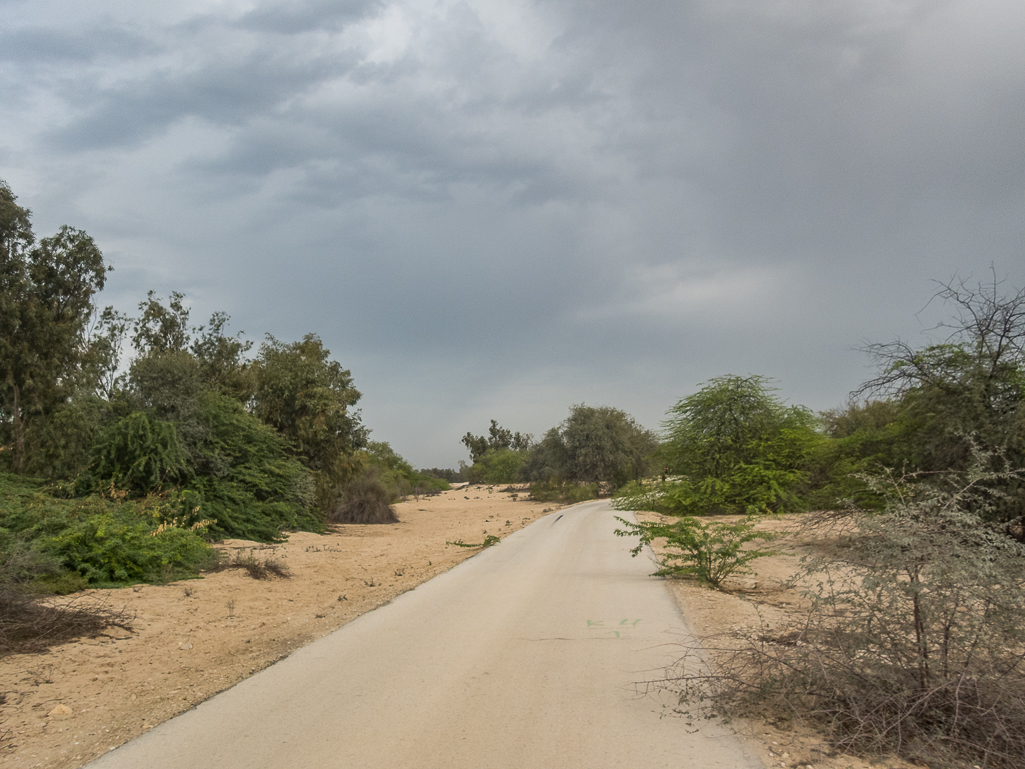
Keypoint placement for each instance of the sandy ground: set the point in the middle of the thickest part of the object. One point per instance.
(195, 638)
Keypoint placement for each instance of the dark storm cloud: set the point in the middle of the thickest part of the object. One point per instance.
(296, 17)
(227, 93)
(550, 202)
(40, 45)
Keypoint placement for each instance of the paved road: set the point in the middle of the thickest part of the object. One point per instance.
(522, 657)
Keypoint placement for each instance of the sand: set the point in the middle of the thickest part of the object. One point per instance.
(192, 639)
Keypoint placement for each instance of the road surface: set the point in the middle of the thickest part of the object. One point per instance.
(526, 656)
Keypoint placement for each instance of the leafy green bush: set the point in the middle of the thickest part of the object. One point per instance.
(711, 552)
(140, 455)
(734, 449)
(116, 547)
(396, 474)
(498, 466)
(253, 489)
(102, 540)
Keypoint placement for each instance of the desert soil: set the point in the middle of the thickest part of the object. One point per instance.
(194, 638)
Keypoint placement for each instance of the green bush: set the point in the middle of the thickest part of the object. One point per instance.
(117, 547)
(734, 449)
(711, 552)
(140, 455)
(101, 540)
(498, 466)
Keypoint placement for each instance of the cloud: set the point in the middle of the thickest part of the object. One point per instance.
(501, 206)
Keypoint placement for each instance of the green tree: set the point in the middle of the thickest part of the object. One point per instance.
(594, 444)
(222, 358)
(46, 291)
(965, 393)
(497, 438)
(160, 329)
(309, 399)
(736, 448)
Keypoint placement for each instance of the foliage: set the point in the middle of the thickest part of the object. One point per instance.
(62, 445)
(308, 398)
(140, 455)
(29, 624)
(736, 448)
(105, 541)
(114, 547)
(498, 466)
(251, 489)
(397, 475)
(968, 389)
(46, 291)
(594, 444)
(711, 552)
(161, 329)
(222, 359)
(497, 439)
(915, 644)
(169, 386)
(364, 500)
(557, 490)
(444, 473)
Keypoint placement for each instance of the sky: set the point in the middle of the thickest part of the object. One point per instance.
(497, 209)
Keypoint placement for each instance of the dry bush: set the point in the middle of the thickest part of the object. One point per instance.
(914, 646)
(28, 623)
(31, 622)
(255, 568)
(364, 500)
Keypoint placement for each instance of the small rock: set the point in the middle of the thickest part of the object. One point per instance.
(60, 711)
(186, 647)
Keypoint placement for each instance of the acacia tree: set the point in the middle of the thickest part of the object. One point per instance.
(736, 448)
(46, 291)
(965, 393)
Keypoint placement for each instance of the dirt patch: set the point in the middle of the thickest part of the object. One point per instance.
(194, 638)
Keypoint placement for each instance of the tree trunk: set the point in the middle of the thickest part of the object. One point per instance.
(19, 431)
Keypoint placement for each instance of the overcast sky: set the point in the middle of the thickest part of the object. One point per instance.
(499, 208)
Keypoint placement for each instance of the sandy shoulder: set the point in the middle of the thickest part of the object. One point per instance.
(195, 638)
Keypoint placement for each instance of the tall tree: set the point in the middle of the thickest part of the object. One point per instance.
(309, 398)
(46, 291)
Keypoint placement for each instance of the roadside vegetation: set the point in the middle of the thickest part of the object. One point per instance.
(912, 636)
(130, 443)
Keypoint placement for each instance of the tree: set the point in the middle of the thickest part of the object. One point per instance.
(965, 392)
(161, 329)
(46, 291)
(736, 447)
(594, 444)
(309, 398)
(222, 358)
(496, 439)
(606, 446)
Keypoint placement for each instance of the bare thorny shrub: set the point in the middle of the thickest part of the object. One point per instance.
(248, 562)
(914, 644)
